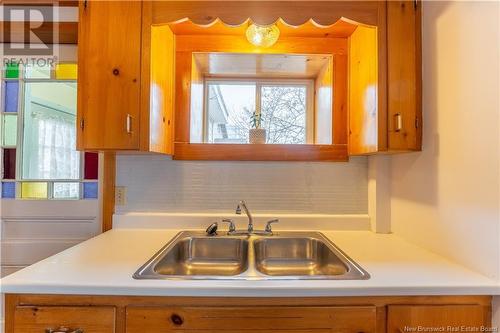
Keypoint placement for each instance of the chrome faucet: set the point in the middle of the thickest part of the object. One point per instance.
(243, 205)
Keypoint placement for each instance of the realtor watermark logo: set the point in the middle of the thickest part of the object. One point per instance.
(29, 35)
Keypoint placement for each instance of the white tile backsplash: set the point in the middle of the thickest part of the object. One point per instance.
(158, 184)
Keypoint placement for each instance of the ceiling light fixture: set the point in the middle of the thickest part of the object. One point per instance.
(263, 36)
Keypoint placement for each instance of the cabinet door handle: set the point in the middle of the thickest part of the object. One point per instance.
(129, 124)
(63, 329)
(398, 121)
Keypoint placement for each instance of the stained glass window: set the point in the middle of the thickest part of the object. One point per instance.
(39, 108)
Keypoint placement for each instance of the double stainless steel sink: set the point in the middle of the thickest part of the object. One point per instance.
(284, 256)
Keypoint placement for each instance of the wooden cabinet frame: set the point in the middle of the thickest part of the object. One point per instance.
(120, 303)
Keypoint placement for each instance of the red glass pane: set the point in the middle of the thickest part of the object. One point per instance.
(91, 166)
(9, 163)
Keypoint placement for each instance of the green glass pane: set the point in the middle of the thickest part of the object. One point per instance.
(34, 190)
(12, 70)
(37, 72)
(10, 130)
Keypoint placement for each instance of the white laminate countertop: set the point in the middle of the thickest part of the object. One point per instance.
(104, 266)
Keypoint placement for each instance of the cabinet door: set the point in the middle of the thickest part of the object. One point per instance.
(32, 319)
(404, 71)
(409, 318)
(255, 319)
(109, 46)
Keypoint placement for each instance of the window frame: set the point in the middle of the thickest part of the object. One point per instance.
(19, 180)
(259, 83)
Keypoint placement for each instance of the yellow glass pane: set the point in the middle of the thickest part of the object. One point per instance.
(34, 190)
(66, 71)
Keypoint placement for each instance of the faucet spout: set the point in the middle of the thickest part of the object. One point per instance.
(243, 205)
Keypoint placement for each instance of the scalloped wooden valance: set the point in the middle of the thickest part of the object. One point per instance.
(294, 13)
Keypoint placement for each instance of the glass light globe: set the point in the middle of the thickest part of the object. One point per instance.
(263, 36)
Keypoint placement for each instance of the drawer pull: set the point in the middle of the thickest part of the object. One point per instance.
(63, 329)
(176, 319)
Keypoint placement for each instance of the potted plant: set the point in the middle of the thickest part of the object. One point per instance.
(256, 135)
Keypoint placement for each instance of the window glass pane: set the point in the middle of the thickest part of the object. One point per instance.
(66, 190)
(11, 96)
(90, 190)
(49, 146)
(230, 108)
(37, 72)
(34, 190)
(8, 190)
(91, 165)
(9, 130)
(66, 71)
(284, 114)
(9, 163)
(12, 70)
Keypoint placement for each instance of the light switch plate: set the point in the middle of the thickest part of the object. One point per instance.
(120, 195)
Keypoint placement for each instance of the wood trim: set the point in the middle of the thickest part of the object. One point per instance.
(14, 31)
(265, 12)
(264, 152)
(47, 299)
(239, 44)
(108, 190)
(383, 138)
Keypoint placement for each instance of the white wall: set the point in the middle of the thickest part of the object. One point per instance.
(446, 198)
(158, 184)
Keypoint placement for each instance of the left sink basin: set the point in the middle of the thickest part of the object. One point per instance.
(197, 256)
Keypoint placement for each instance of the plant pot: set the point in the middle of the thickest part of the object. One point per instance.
(257, 135)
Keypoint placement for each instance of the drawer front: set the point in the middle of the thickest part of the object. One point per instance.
(33, 319)
(262, 319)
(409, 318)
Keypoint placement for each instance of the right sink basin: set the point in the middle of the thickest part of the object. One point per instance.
(301, 256)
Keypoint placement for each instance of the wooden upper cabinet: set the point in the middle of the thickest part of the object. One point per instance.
(385, 90)
(123, 102)
(136, 77)
(404, 73)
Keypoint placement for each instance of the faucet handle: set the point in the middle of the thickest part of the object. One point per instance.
(269, 223)
(232, 227)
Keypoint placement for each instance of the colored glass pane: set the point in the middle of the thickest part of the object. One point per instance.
(91, 165)
(9, 130)
(37, 72)
(35, 190)
(66, 190)
(12, 70)
(8, 190)
(11, 97)
(66, 71)
(90, 190)
(9, 163)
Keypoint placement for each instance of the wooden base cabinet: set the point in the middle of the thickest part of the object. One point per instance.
(136, 314)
